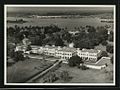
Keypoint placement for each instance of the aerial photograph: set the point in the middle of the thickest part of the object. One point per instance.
(59, 44)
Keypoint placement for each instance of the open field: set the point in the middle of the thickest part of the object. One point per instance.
(85, 76)
(22, 70)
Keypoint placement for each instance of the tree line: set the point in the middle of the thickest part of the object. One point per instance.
(88, 36)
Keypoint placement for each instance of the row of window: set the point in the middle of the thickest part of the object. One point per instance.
(89, 58)
(64, 54)
(65, 57)
(59, 53)
(86, 54)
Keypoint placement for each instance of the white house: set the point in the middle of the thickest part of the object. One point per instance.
(65, 53)
(89, 54)
(50, 50)
(71, 45)
(20, 48)
(73, 32)
(35, 49)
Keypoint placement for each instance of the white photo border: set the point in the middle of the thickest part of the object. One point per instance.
(74, 84)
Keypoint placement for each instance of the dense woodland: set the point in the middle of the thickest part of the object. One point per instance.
(88, 37)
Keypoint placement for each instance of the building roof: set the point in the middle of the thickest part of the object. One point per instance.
(66, 49)
(51, 47)
(99, 63)
(47, 46)
(35, 46)
(71, 45)
(90, 50)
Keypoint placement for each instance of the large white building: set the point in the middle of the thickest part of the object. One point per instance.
(49, 50)
(64, 53)
(89, 54)
(73, 32)
(20, 48)
(36, 49)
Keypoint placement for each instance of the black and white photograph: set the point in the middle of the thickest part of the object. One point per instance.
(59, 45)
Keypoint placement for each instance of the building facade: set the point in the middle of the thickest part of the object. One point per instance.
(89, 54)
(64, 53)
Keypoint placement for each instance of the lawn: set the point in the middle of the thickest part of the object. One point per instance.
(22, 70)
(85, 76)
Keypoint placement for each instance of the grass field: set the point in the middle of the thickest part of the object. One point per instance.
(22, 70)
(85, 76)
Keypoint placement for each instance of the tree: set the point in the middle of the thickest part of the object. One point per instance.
(50, 77)
(91, 29)
(109, 48)
(104, 43)
(10, 31)
(83, 67)
(65, 75)
(59, 42)
(11, 53)
(74, 61)
(66, 36)
(51, 29)
(28, 48)
(84, 43)
(110, 37)
(18, 56)
(111, 60)
(104, 54)
(10, 50)
(19, 36)
(102, 33)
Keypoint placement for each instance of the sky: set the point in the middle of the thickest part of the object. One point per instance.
(48, 9)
